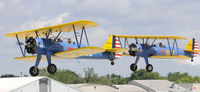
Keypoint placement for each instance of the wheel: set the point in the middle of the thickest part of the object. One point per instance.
(51, 68)
(34, 71)
(133, 67)
(112, 63)
(149, 68)
(192, 60)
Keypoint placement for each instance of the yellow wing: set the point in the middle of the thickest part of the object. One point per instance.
(33, 58)
(151, 37)
(67, 27)
(117, 50)
(171, 57)
(80, 52)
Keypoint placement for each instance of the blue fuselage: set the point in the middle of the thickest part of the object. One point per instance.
(148, 50)
(52, 47)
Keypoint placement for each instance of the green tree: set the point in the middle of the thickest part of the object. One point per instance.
(90, 75)
(65, 76)
(144, 75)
(116, 79)
(181, 77)
(8, 75)
(104, 80)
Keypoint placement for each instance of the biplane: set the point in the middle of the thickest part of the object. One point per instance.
(141, 46)
(39, 46)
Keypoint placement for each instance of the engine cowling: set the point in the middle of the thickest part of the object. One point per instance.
(133, 49)
(31, 45)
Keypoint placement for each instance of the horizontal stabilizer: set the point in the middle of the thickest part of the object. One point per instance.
(80, 52)
(33, 58)
(192, 50)
(125, 54)
(117, 50)
(171, 57)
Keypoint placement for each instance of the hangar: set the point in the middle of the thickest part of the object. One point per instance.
(33, 84)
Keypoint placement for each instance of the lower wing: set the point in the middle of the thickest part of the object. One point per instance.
(33, 58)
(79, 52)
(171, 57)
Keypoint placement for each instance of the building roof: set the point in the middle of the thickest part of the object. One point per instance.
(94, 87)
(186, 85)
(130, 88)
(17, 83)
(9, 84)
(157, 85)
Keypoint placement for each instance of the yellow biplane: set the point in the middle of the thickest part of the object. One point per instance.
(141, 46)
(39, 46)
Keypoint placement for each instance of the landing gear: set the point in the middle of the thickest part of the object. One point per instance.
(192, 60)
(51, 68)
(149, 68)
(112, 63)
(133, 67)
(34, 71)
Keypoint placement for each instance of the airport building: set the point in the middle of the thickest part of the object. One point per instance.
(33, 84)
(45, 84)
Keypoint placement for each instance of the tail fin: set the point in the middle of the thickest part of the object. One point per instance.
(196, 47)
(113, 42)
(193, 45)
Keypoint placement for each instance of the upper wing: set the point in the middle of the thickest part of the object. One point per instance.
(67, 27)
(33, 58)
(171, 57)
(80, 52)
(151, 37)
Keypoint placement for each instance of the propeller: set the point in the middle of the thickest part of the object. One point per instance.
(133, 49)
(31, 45)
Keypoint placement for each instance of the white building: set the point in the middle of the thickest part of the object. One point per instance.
(157, 85)
(45, 84)
(129, 88)
(94, 87)
(33, 84)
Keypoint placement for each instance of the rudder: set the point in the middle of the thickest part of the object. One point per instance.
(113, 42)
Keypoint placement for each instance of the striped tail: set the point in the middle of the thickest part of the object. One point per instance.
(193, 46)
(113, 42)
(196, 47)
(117, 45)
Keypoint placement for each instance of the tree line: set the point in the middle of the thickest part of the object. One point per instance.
(70, 77)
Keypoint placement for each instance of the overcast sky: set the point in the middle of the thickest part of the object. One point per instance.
(133, 17)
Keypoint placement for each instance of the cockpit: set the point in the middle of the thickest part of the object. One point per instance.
(161, 45)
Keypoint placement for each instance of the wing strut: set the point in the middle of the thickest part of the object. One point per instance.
(86, 36)
(20, 46)
(83, 30)
(153, 41)
(147, 40)
(76, 37)
(79, 42)
(120, 41)
(54, 41)
(136, 40)
(125, 42)
(177, 46)
(171, 50)
(36, 33)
